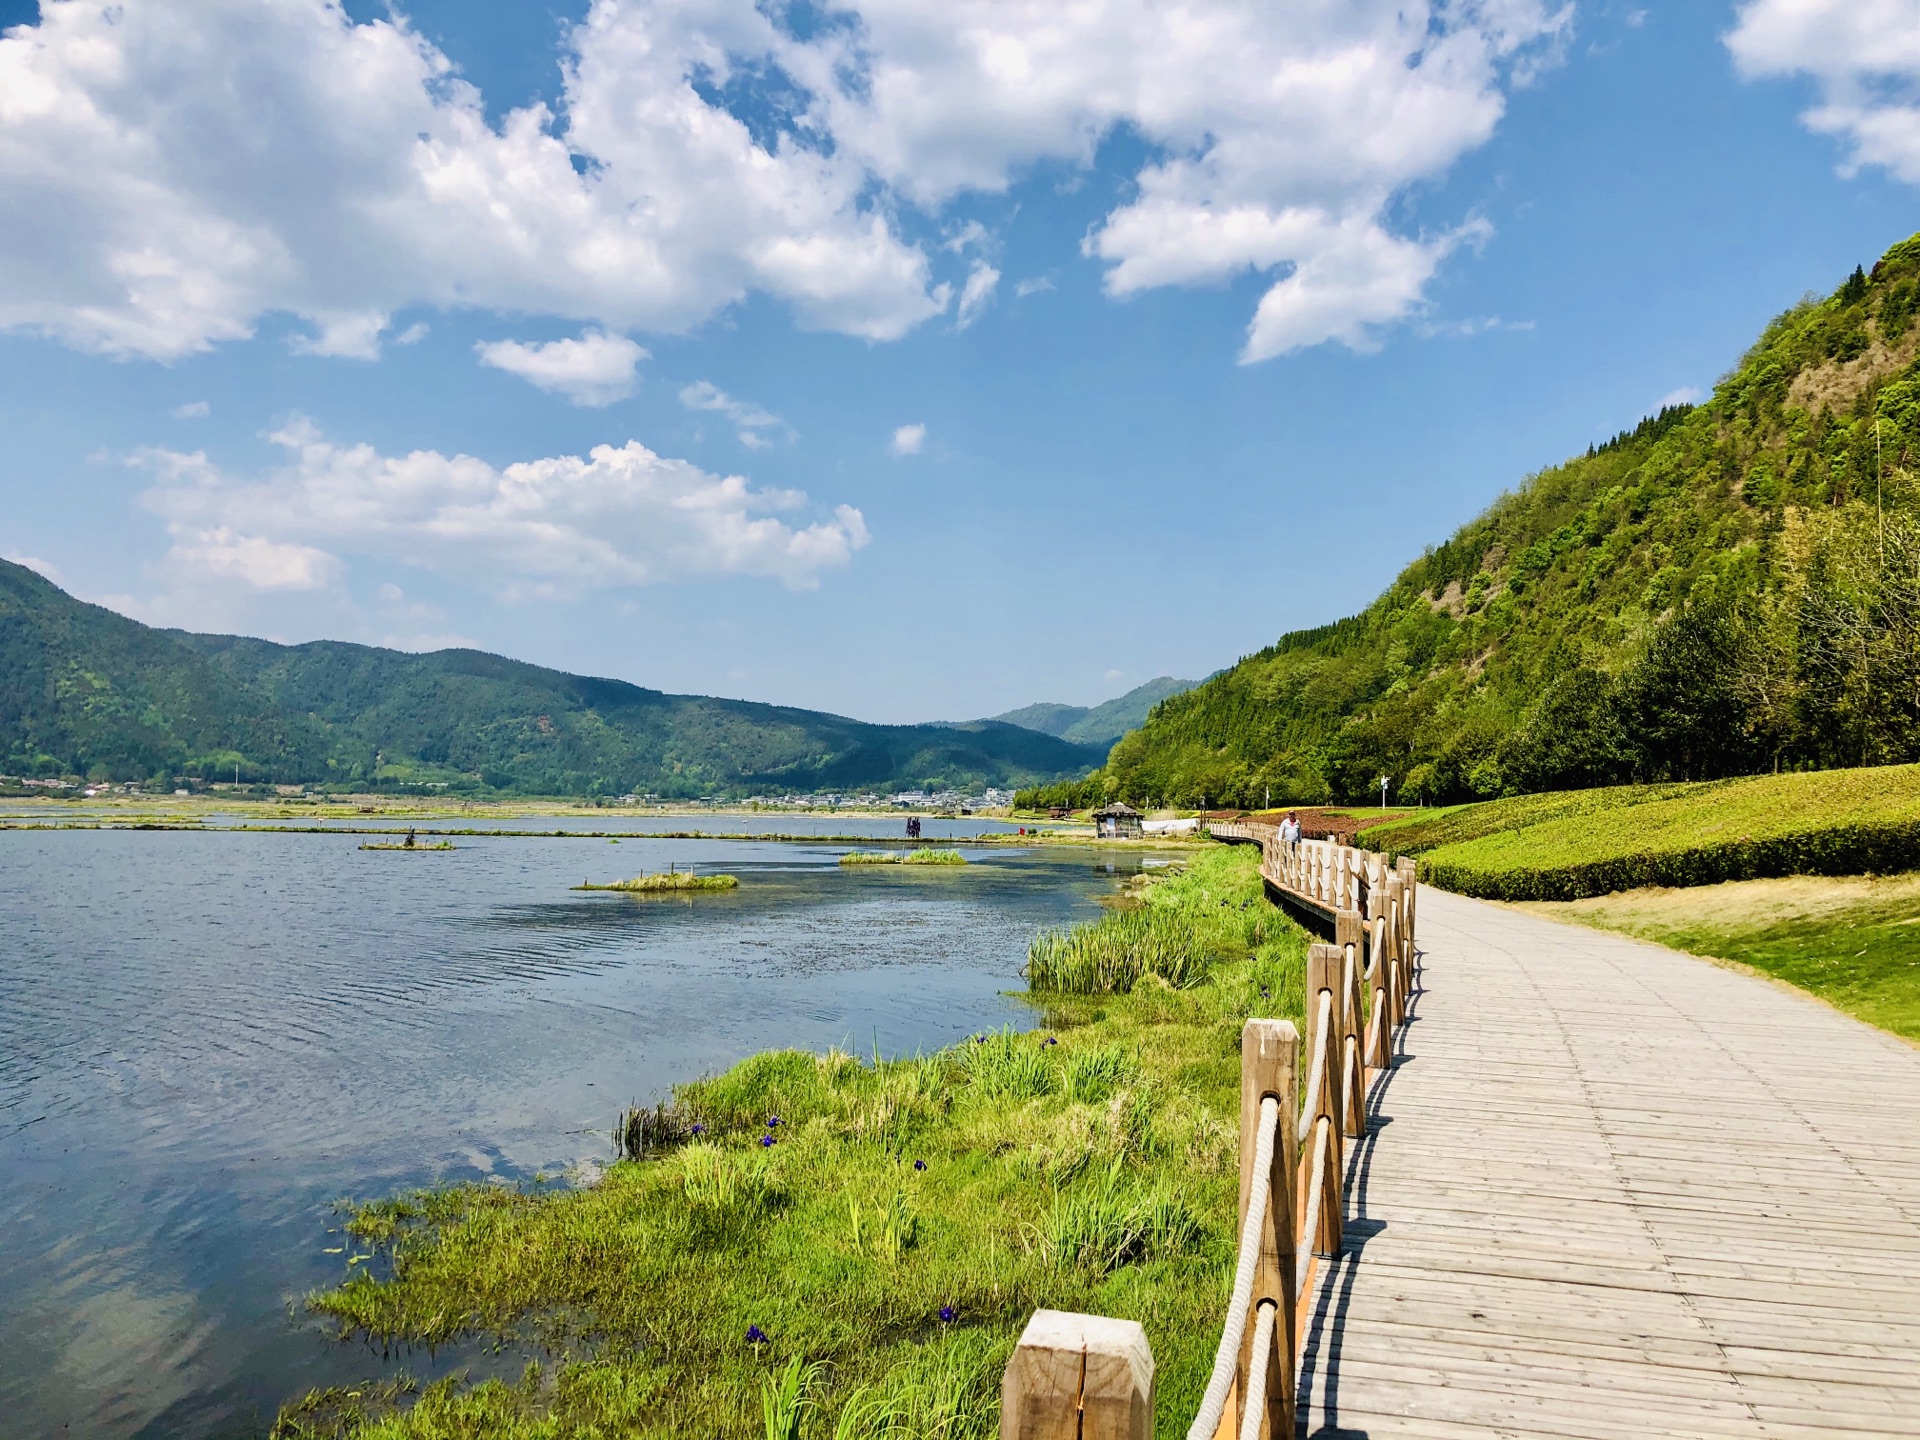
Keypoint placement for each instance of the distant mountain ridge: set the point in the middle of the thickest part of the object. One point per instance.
(1098, 724)
(86, 691)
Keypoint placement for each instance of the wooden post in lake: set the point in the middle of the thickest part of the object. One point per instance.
(1078, 1377)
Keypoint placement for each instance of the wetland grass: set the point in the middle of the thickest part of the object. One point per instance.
(673, 882)
(923, 856)
(819, 1246)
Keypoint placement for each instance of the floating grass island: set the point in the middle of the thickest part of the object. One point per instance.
(911, 857)
(406, 845)
(675, 881)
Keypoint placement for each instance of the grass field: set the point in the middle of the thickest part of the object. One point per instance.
(858, 1241)
(1853, 941)
(1571, 844)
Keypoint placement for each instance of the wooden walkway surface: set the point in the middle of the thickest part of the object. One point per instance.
(1622, 1193)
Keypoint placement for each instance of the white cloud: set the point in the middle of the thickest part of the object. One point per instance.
(1865, 57)
(596, 369)
(1280, 133)
(192, 410)
(1685, 395)
(540, 528)
(175, 170)
(750, 421)
(1034, 286)
(413, 334)
(908, 439)
(976, 294)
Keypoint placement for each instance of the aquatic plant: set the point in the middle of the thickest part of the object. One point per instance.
(923, 856)
(675, 881)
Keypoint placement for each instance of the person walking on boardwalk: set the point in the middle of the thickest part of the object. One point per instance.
(1290, 828)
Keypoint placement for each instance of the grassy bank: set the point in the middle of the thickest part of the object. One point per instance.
(1572, 844)
(893, 1224)
(1852, 941)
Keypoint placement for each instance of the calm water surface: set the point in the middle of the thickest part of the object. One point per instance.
(207, 1039)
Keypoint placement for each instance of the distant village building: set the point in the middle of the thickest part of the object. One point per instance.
(1117, 822)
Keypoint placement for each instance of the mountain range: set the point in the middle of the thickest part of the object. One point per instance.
(1726, 588)
(85, 691)
(1100, 724)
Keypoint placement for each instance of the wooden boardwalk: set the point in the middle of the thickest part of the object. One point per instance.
(1621, 1193)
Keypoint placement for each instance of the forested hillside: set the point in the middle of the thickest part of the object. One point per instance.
(86, 692)
(1725, 589)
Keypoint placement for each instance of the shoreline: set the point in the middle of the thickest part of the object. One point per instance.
(893, 1222)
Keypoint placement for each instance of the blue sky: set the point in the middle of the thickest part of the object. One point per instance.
(945, 358)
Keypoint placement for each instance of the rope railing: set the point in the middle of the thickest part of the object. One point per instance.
(1091, 1378)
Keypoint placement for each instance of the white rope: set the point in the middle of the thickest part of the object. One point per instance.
(1310, 1216)
(1254, 1411)
(1317, 1072)
(1214, 1403)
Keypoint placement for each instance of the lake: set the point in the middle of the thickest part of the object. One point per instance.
(207, 1039)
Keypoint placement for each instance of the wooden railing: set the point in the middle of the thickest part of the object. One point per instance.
(1088, 1377)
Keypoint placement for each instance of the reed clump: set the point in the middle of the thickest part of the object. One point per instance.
(927, 855)
(667, 882)
(843, 1249)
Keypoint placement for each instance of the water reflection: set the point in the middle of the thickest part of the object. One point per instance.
(208, 1038)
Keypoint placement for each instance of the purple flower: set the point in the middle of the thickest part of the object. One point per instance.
(948, 1314)
(755, 1335)
(772, 1120)
(1051, 1040)
(766, 1139)
(919, 1164)
(699, 1129)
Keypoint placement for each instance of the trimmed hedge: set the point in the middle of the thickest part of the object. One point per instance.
(1833, 850)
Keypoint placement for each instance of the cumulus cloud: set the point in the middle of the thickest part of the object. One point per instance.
(1864, 55)
(175, 170)
(908, 439)
(596, 369)
(540, 528)
(192, 410)
(750, 421)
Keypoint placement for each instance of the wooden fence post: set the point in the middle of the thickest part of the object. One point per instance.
(1324, 966)
(1078, 1377)
(1349, 933)
(1397, 991)
(1269, 1065)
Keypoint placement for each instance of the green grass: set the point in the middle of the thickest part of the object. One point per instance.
(924, 856)
(673, 881)
(1088, 1166)
(1571, 844)
(1854, 942)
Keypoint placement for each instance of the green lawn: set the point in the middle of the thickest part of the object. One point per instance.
(1570, 844)
(905, 1221)
(1854, 942)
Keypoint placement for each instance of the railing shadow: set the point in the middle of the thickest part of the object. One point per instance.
(1320, 1346)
